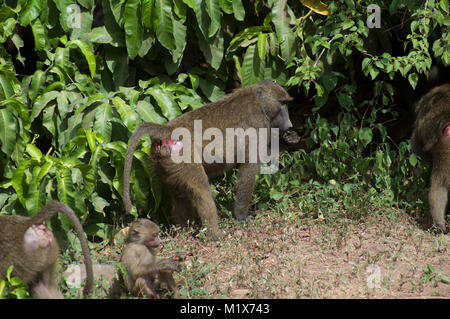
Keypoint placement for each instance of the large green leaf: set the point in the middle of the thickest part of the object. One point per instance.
(213, 9)
(262, 42)
(68, 194)
(41, 102)
(87, 52)
(62, 62)
(147, 13)
(117, 9)
(210, 90)
(37, 82)
(7, 89)
(252, 67)
(102, 123)
(179, 32)
(285, 35)
(87, 171)
(238, 9)
(126, 112)
(8, 81)
(148, 114)
(30, 12)
(164, 28)
(165, 102)
(68, 13)
(133, 27)
(39, 35)
(100, 35)
(202, 16)
(226, 6)
(19, 179)
(8, 131)
(212, 49)
(82, 25)
(21, 109)
(111, 26)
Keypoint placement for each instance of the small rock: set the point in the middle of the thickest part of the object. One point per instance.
(76, 274)
(240, 293)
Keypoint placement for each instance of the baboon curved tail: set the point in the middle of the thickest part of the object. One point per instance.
(50, 210)
(156, 132)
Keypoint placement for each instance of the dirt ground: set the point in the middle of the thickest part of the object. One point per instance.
(272, 257)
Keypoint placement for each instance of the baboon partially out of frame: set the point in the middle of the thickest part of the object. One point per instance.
(30, 247)
(431, 139)
(145, 272)
(261, 106)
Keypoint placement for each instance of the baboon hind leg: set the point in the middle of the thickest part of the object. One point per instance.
(244, 189)
(190, 181)
(47, 286)
(437, 198)
(182, 210)
(203, 202)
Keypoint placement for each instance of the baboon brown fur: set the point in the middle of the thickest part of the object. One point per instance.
(261, 106)
(431, 140)
(145, 272)
(30, 247)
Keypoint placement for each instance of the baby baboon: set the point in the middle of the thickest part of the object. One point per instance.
(431, 139)
(144, 270)
(31, 248)
(260, 106)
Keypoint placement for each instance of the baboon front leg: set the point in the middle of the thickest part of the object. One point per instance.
(437, 197)
(245, 184)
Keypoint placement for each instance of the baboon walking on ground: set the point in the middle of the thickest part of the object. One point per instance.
(431, 139)
(261, 106)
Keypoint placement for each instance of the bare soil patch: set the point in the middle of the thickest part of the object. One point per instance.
(272, 257)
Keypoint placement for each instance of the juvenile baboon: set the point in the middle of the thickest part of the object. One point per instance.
(144, 270)
(431, 139)
(260, 106)
(28, 245)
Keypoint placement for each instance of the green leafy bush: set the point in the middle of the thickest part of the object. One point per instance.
(13, 287)
(74, 84)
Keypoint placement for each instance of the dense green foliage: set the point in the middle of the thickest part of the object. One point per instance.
(78, 76)
(13, 287)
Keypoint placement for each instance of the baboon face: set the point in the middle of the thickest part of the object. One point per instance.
(274, 99)
(281, 119)
(145, 232)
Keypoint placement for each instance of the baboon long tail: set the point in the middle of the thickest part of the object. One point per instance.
(155, 131)
(50, 210)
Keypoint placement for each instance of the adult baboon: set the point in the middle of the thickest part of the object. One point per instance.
(258, 107)
(30, 247)
(431, 139)
(145, 272)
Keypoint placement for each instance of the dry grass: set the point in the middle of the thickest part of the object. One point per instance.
(270, 257)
